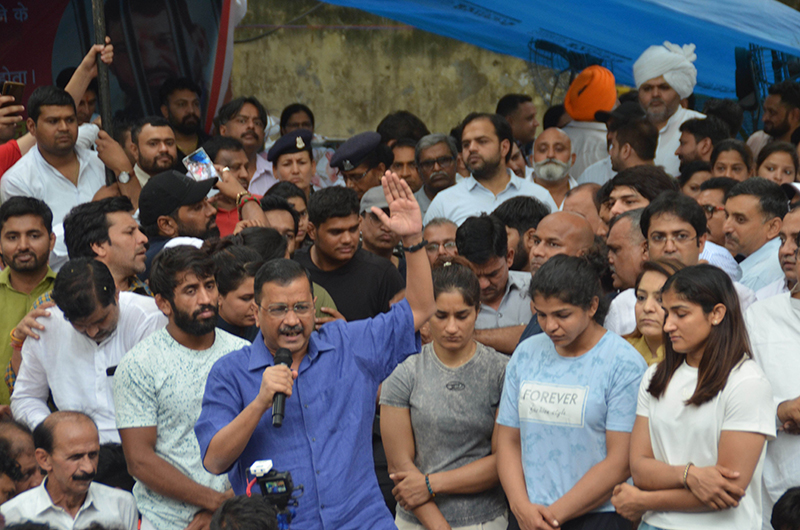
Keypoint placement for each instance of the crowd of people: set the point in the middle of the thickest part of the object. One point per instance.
(595, 327)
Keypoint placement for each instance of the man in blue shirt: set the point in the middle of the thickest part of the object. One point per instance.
(325, 441)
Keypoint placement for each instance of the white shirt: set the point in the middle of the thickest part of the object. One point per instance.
(111, 507)
(621, 317)
(680, 434)
(470, 198)
(763, 266)
(775, 288)
(33, 176)
(599, 172)
(669, 139)
(73, 367)
(589, 143)
(720, 257)
(423, 200)
(774, 329)
(757, 141)
(87, 135)
(141, 175)
(263, 178)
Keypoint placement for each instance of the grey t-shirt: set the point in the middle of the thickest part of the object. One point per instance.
(452, 417)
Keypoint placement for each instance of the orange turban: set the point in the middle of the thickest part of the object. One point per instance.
(592, 90)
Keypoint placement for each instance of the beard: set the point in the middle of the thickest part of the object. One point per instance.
(191, 324)
(190, 124)
(156, 165)
(551, 169)
(211, 231)
(520, 257)
(34, 264)
(484, 169)
(777, 130)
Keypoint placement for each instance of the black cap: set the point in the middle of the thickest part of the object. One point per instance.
(293, 142)
(630, 110)
(353, 152)
(167, 191)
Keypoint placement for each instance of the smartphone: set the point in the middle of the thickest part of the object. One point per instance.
(10, 88)
(200, 165)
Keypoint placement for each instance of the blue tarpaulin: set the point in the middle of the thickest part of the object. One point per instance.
(615, 32)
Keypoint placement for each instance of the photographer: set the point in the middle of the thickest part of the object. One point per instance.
(330, 387)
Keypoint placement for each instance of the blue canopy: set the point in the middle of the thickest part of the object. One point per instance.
(614, 32)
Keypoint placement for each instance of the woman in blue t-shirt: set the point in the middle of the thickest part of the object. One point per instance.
(568, 407)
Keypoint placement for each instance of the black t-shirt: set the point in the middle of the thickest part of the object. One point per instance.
(361, 288)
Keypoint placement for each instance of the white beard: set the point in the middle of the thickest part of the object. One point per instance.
(551, 169)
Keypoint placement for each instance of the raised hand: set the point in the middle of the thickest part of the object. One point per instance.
(405, 217)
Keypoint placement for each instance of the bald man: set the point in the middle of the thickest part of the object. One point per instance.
(552, 160)
(627, 252)
(581, 200)
(560, 233)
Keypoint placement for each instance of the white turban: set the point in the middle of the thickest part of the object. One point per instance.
(671, 61)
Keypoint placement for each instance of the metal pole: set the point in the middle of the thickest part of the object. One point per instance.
(103, 86)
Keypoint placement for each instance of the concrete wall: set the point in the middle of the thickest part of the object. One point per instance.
(354, 68)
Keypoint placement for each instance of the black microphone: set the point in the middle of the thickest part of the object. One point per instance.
(284, 357)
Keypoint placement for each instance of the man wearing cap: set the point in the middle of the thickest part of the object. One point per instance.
(664, 76)
(602, 171)
(553, 158)
(292, 159)
(171, 205)
(591, 91)
(486, 149)
(376, 236)
(362, 161)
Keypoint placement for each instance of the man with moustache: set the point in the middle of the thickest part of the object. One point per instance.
(330, 386)
(787, 255)
(362, 160)
(245, 119)
(67, 448)
(85, 336)
(665, 74)
(435, 156)
(486, 149)
(781, 116)
(521, 217)
(552, 160)
(26, 240)
(627, 251)
(180, 105)
(158, 388)
(153, 147)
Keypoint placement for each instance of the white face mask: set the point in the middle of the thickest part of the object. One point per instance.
(551, 169)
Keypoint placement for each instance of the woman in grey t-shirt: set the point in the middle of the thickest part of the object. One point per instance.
(437, 417)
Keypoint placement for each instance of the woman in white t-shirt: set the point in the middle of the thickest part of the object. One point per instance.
(704, 415)
(437, 417)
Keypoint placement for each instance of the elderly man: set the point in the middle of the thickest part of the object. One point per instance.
(583, 200)
(330, 382)
(435, 156)
(627, 251)
(592, 91)
(665, 75)
(67, 448)
(553, 158)
(787, 255)
(440, 233)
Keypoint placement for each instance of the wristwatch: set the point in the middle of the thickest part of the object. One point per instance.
(124, 177)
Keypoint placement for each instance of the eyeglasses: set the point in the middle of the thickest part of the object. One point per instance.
(281, 310)
(443, 161)
(355, 178)
(710, 210)
(244, 120)
(374, 219)
(434, 247)
(658, 240)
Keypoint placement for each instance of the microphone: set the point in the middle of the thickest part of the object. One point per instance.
(284, 357)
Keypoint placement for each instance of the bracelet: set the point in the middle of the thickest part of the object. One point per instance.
(419, 246)
(428, 483)
(244, 200)
(240, 195)
(686, 474)
(14, 340)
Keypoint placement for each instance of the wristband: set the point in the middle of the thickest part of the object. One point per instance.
(419, 246)
(686, 474)
(15, 341)
(244, 199)
(427, 480)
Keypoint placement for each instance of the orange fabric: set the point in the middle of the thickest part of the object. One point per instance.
(592, 90)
